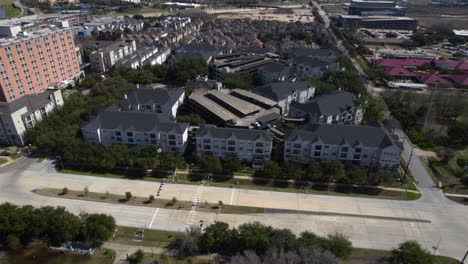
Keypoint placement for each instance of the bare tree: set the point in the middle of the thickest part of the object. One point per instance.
(279, 256)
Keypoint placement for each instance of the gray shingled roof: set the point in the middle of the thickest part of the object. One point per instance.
(31, 101)
(311, 62)
(151, 96)
(328, 104)
(280, 90)
(368, 136)
(307, 52)
(275, 67)
(111, 118)
(239, 133)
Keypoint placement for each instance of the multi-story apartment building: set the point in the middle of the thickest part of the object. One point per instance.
(273, 72)
(23, 113)
(105, 58)
(358, 145)
(136, 128)
(159, 100)
(30, 63)
(340, 107)
(235, 143)
(285, 93)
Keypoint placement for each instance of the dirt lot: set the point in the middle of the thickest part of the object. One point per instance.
(300, 14)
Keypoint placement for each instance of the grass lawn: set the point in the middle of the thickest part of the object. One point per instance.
(150, 258)
(450, 172)
(12, 11)
(3, 161)
(39, 254)
(364, 256)
(151, 237)
(41, 159)
(143, 201)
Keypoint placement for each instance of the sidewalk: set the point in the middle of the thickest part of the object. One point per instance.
(456, 195)
(250, 178)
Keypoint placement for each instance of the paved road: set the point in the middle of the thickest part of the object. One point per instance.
(370, 223)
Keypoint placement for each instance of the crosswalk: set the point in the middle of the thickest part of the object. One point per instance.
(195, 202)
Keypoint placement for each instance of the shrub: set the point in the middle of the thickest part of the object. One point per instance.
(64, 191)
(411, 252)
(151, 198)
(128, 195)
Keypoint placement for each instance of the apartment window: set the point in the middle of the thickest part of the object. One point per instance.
(344, 149)
(231, 148)
(343, 155)
(129, 134)
(259, 144)
(207, 147)
(357, 156)
(171, 137)
(130, 140)
(358, 150)
(297, 145)
(208, 141)
(317, 153)
(318, 147)
(259, 151)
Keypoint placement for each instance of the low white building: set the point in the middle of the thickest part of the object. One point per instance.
(25, 112)
(234, 143)
(340, 107)
(358, 145)
(159, 100)
(112, 126)
(148, 55)
(286, 93)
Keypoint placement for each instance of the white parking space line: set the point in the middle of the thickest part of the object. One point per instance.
(154, 217)
(232, 196)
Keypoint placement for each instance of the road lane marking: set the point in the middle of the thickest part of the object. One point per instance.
(154, 217)
(232, 196)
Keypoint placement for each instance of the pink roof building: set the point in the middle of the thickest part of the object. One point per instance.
(398, 71)
(431, 79)
(459, 79)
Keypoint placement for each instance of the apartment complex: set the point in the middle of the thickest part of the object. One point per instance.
(365, 146)
(136, 128)
(340, 107)
(109, 52)
(234, 143)
(160, 100)
(273, 72)
(30, 63)
(285, 93)
(25, 112)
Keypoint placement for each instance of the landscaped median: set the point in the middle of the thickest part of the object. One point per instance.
(128, 199)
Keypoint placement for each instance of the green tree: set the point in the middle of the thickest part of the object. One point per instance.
(339, 245)
(97, 228)
(188, 69)
(128, 196)
(374, 110)
(283, 238)
(90, 80)
(246, 81)
(192, 118)
(12, 242)
(457, 134)
(419, 39)
(271, 170)
(187, 243)
(332, 169)
(357, 175)
(218, 238)
(138, 16)
(313, 171)
(292, 171)
(232, 165)
(211, 164)
(60, 225)
(411, 252)
(136, 257)
(255, 236)
(456, 40)
(310, 240)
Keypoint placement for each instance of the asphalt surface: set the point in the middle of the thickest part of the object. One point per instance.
(369, 223)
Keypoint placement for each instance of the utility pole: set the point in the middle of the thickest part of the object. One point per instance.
(409, 161)
(464, 258)
(428, 111)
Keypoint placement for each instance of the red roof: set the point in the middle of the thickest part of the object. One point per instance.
(429, 78)
(402, 62)
(448, 63)
(398, 71)
(462, 66)
(459, 79)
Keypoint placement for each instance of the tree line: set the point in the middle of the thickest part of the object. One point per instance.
(220, 238)
(53, 225)
(315, 171)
